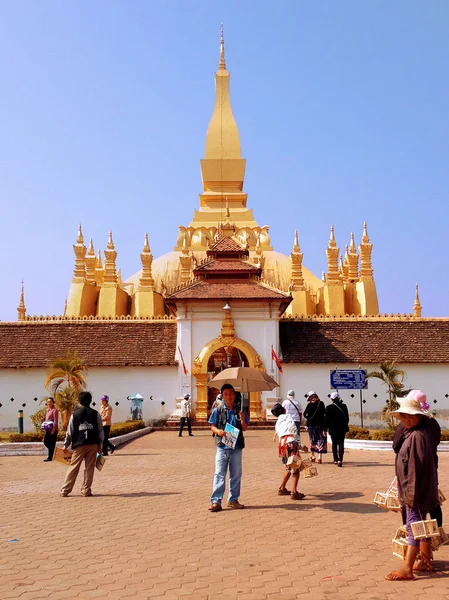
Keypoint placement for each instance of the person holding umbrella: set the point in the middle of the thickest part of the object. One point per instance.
(227, 457)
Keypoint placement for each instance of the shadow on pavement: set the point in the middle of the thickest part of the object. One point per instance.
(352, 507)
(137, 454)
(366, 464)
(336, 495)
(138, 494)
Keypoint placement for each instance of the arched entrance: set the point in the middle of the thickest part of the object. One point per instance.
(233, 349)
(220, 359)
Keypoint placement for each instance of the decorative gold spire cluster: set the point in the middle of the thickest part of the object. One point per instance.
(146, 279)
(79, 272)
(417, 308)
(110, 256)
(21, 309)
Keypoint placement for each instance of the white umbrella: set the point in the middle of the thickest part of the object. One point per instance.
(244, 379)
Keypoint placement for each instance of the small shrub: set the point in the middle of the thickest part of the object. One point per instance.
(382, 434)
(445, 435)
(127, 427)
(38, 418)
(27, 437)
(357, 433)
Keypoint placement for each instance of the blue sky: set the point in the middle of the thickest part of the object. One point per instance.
(342, 109)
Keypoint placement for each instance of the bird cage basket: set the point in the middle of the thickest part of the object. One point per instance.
(380, 500)
(401, 533)
(440, 540)
(441, 496)
(294, 462)
(425, 529)
(306, 463)
(310, 472)
(400, 548)
(393, 503)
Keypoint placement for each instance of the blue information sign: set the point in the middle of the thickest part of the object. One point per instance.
(349, 379)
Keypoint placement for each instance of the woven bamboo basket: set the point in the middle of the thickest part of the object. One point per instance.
(310, 472)
(401, 533)
(380, 500)
(294, 462)
(439, 540)
(393, 503)
(425, 529)
(306, 464)
(393, 487)
(399, 548)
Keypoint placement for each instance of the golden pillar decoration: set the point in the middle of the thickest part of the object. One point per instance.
(110, 256)
(186, 261)
(90, 261)
(332, 258)
(353, 261)
(99, 271)
(21, 309)
(146, 279)
(79, 272)
(365, 249)
(417, 308)
(297, 279)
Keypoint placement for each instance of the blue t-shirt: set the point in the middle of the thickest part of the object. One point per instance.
(231, 418)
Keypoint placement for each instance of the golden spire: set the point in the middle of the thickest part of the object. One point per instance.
(417, 308)
(21, 309)
(110, 255)
(332, 258)
(222, 64)
(222, 138)
(353, 261)
(79, 272)
(99, 272)
(365, 249)
(146, 278)
(297, 279)
(90, 261)
(119, 277)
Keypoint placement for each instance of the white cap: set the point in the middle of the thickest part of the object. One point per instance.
(291, 394)
(334, 395)
(311, 393)
(186, 396)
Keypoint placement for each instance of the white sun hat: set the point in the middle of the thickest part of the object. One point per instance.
(410, 406)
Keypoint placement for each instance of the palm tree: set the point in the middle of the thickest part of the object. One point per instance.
(393, 378)
(65, 379)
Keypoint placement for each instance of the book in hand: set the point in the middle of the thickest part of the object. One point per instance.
(230, 436)
(99, 463)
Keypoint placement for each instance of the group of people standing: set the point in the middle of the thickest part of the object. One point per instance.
(321, 420)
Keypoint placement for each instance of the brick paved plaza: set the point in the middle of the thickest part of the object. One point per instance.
(147, 532)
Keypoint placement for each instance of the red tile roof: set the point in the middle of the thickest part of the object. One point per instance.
(230, 264)
(228, 289)
(372, 342)
(98, 343)
(227, 244)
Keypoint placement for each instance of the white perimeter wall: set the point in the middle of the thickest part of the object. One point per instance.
(162, 383)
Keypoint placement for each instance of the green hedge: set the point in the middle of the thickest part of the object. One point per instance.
(116, 430)
(358, 433)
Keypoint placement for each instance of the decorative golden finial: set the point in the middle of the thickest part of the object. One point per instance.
(353, 261)
(332, 242)
(352, 244)
(21, 309)
(110, 245)
(228, 214)
(99, 272)
(146, 278)
(110, 256)
(296, 243)
(222, 64)
(80, 239)
(79, 272)
(365, 249)
(417, 308)
(365, 238)
(323, 276)
(119, 277)
(90, 262)
(332, 253)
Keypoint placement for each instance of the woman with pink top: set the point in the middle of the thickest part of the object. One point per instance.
(51, 435)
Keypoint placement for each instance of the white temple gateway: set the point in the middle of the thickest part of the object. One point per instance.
(222, 297)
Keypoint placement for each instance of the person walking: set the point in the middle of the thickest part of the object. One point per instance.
(106, 420)
(337, 424)
(417, 483)
(294, 409)
(51, 433)
(85, 437)
(226, 457)
(186, 415)
(315, 415)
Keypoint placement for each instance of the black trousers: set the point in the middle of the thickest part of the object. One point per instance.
(338, 449)
(50, 443)
(106, 443)
(182, 422)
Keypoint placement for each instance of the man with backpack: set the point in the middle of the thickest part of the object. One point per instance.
(227, 457)
(85, 436)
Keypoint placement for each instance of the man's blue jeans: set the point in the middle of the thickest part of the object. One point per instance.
(226, 457)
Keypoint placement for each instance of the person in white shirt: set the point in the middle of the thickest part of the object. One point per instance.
(186, 413)
(294, 409)
(288, 446)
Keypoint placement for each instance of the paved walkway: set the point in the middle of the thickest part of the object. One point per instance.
(147, 532)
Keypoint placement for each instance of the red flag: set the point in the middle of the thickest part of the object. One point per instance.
(275, 357)
(184, 368)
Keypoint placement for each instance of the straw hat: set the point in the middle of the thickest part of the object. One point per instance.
(410, 405)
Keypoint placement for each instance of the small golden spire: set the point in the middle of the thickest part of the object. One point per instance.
(296, 243)
(353, 261)
(332, 242)
(365, 249)
(352, 244)
(119, 277)
(80, 239)
(222, 64)
(110, 256)
(146, 278)
(146, 244)
(365, 238)
(417, 308)
(21, 309)
(110, 242)
(79, 272)
(228, 214)
(90, 262)
(99, 272)
(332, 253)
